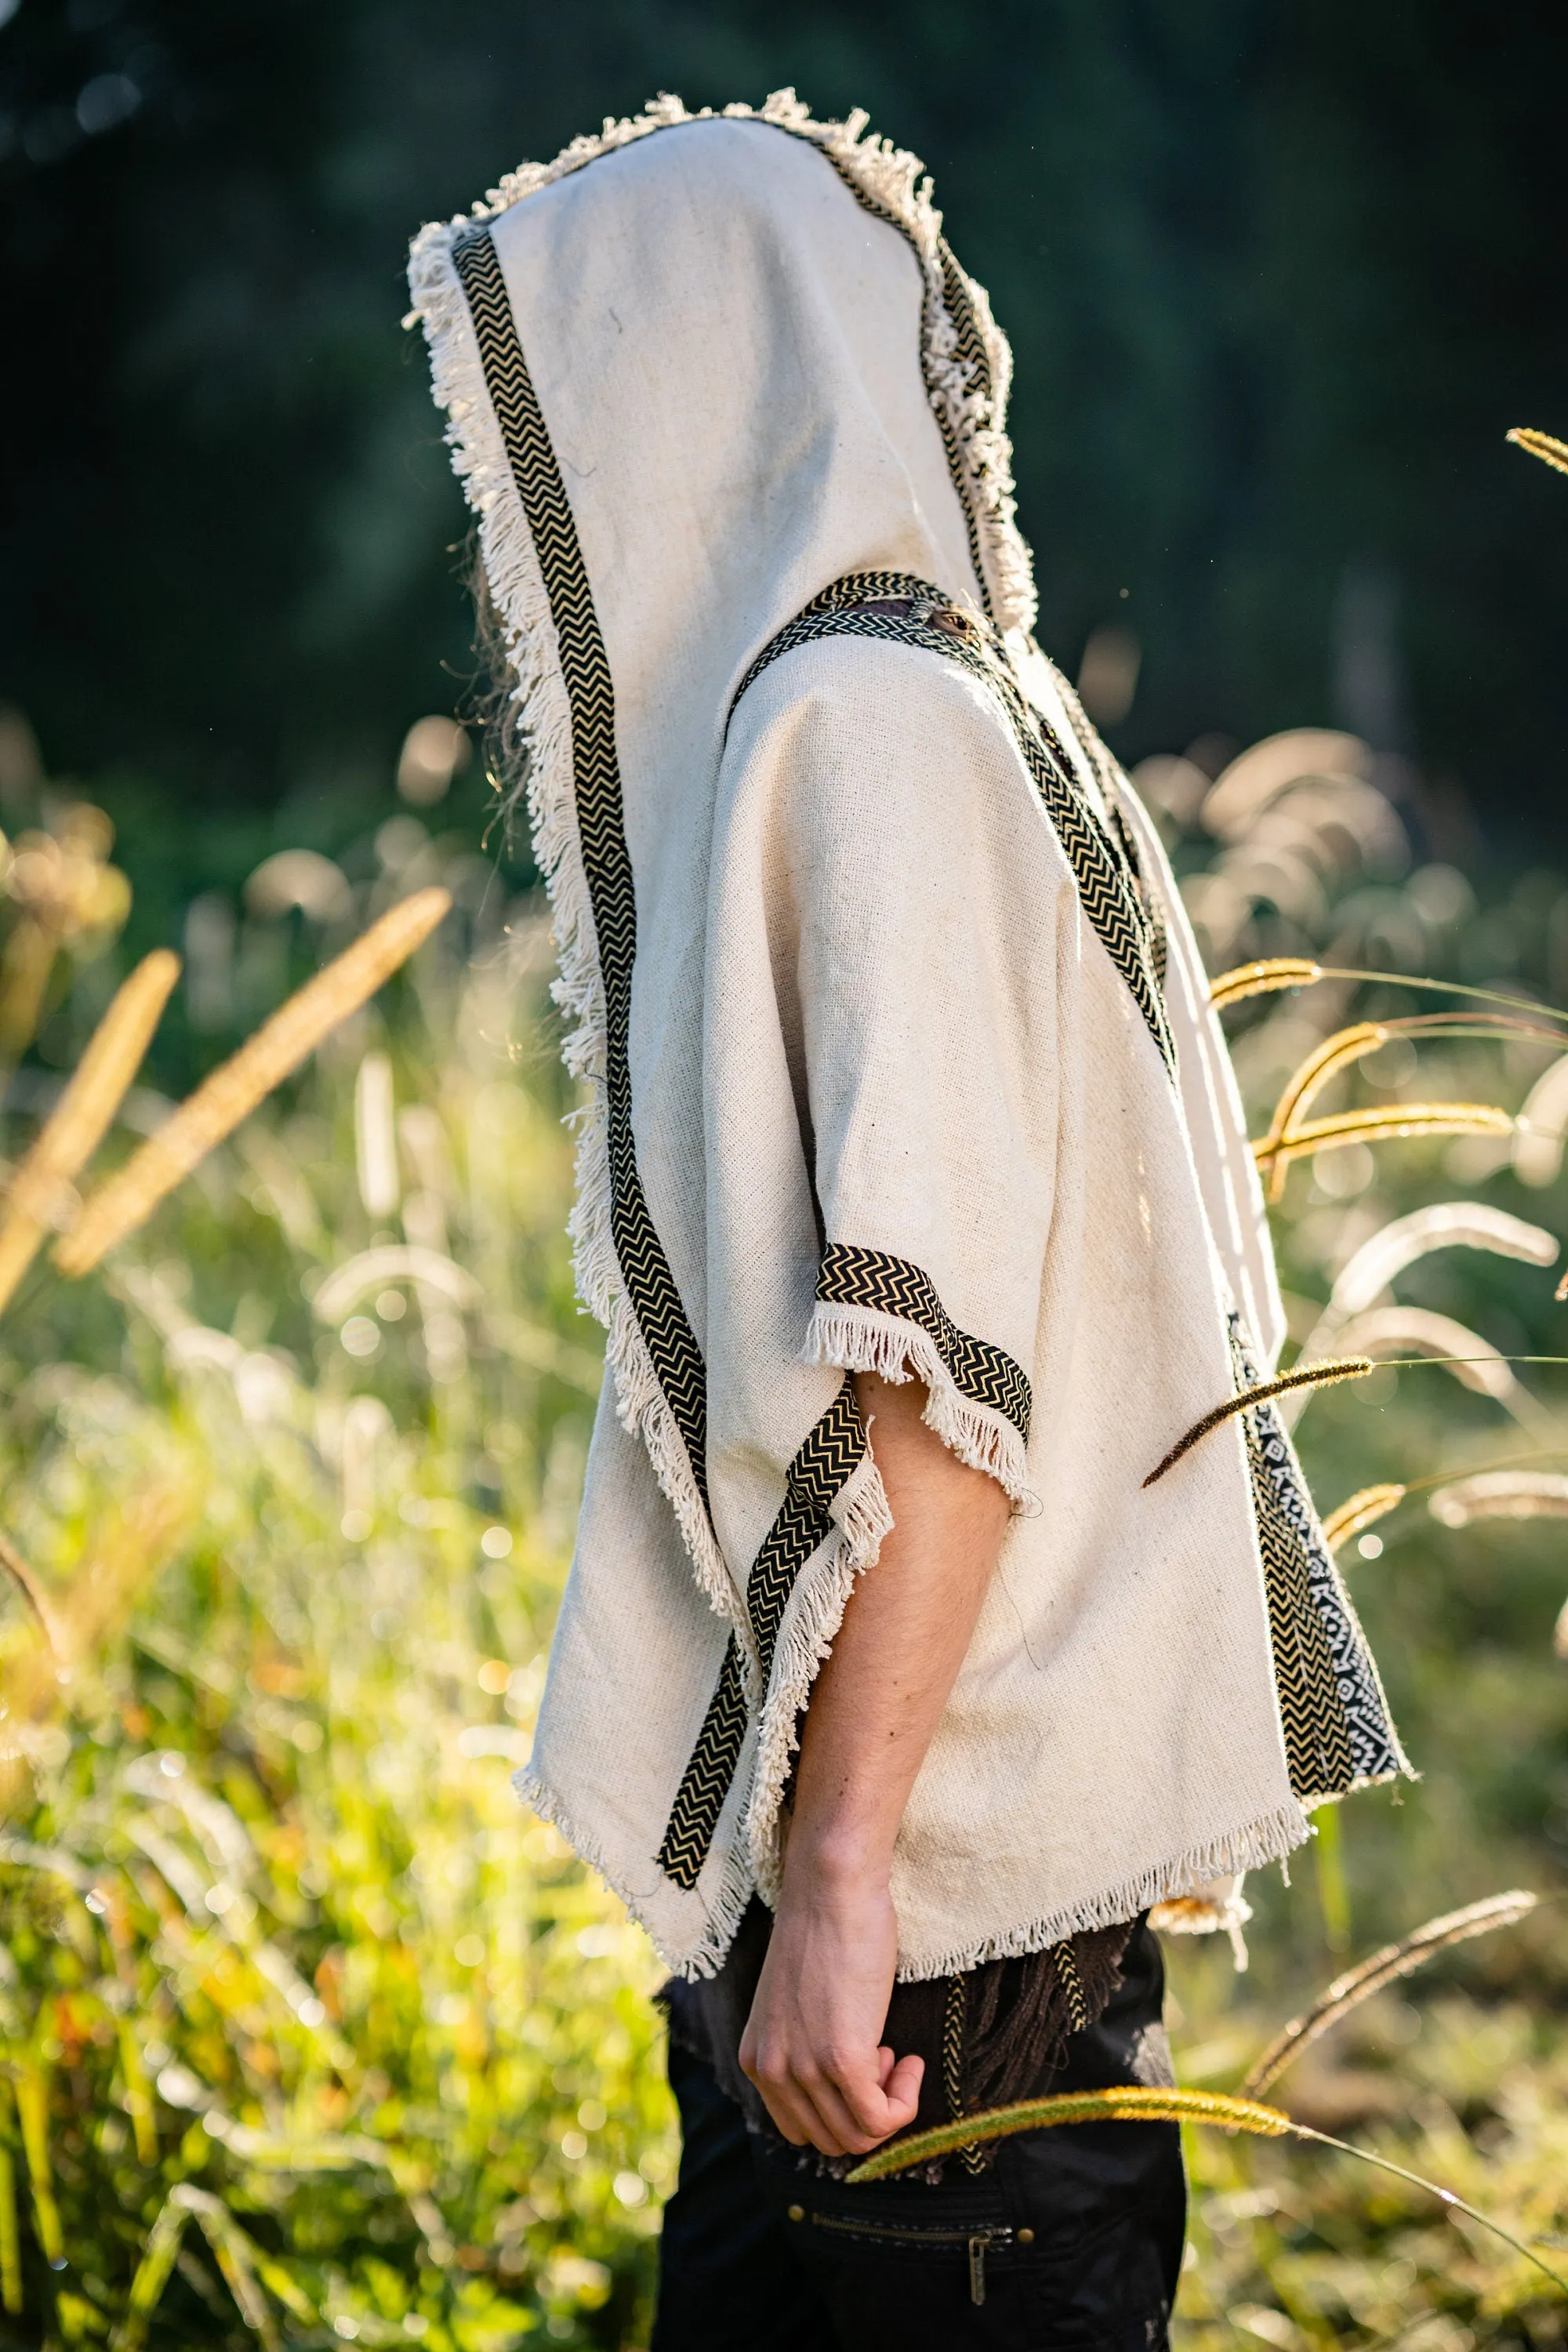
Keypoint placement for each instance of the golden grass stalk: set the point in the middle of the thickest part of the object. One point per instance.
(1339, 1368)
(1359, 1511)
(1545, 446)
(1262, 978)
(32, 1592)
(236, 1087)
(1305, 1083)
(1127, 2103)
(1135, 2104)
(76, 1125)
(1396, 1123)
(1385, 1968)
(1308, 975)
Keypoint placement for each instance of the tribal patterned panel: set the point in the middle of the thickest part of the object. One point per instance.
(832, 1453)
(865, 1277)
(606, 862)
(1109, 889)
(1337, 1730)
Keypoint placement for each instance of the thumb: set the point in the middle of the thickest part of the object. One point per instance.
(902, 2091)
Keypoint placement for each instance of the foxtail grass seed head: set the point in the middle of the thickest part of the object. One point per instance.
(1545, 446)
(236, 1087)
(1395, 1960)
(1135, 2104)
(1127, 2102)
(1342, 1368)
(1397, 1125)
(1501, 1495)
(1360, 1511)
(1262, 978)
(76, 1125)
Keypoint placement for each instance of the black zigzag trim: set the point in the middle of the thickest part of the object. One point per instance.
(1109, 887)
(866, 1277)
(705, 1783)
(829, 1456)
(606, 863)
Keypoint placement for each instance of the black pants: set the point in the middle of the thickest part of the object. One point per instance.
(1070, 2242)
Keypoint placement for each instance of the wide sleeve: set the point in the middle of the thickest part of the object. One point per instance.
(919, 906)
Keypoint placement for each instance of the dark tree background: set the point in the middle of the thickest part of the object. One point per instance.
(1279, 273)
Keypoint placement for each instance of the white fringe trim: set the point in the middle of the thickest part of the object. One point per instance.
(864, 1339)
(812, 1619)
(517, 584)
(890, 177)
(1269, 1839)
(724, 1906)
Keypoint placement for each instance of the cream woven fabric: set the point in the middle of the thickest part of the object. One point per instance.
(867, 994)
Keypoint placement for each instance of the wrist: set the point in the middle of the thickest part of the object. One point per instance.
(836, 1862)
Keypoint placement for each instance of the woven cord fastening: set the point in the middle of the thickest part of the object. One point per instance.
(970, 2155)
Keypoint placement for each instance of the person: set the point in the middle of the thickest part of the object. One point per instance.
(888, 1691)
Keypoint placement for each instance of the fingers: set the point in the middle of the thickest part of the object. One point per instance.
(846, 2112)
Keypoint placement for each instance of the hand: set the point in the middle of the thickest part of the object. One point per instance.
(812, 2044)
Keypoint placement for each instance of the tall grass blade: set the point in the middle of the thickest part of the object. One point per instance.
(151, 2275)
(1333, 1888)
(1385, 1968)
(236, 2258)
(32, 1592)
(236, 1087)
(32, 2088)
(10, 2236)
(1135, 2104)
(76, 1125)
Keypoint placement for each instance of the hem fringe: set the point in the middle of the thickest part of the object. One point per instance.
(864, 1339)
(517, 583)
(731, 1897)
(1268, 1839)
(815, 1613)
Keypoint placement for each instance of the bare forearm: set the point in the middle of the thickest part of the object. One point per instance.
(813, 2043)
(880, 1694)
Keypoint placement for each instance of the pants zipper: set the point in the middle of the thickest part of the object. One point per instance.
(976, 2244)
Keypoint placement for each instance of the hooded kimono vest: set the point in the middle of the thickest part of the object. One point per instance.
(898, 1056)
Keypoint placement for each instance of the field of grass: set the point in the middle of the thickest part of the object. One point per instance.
(310, 2034)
